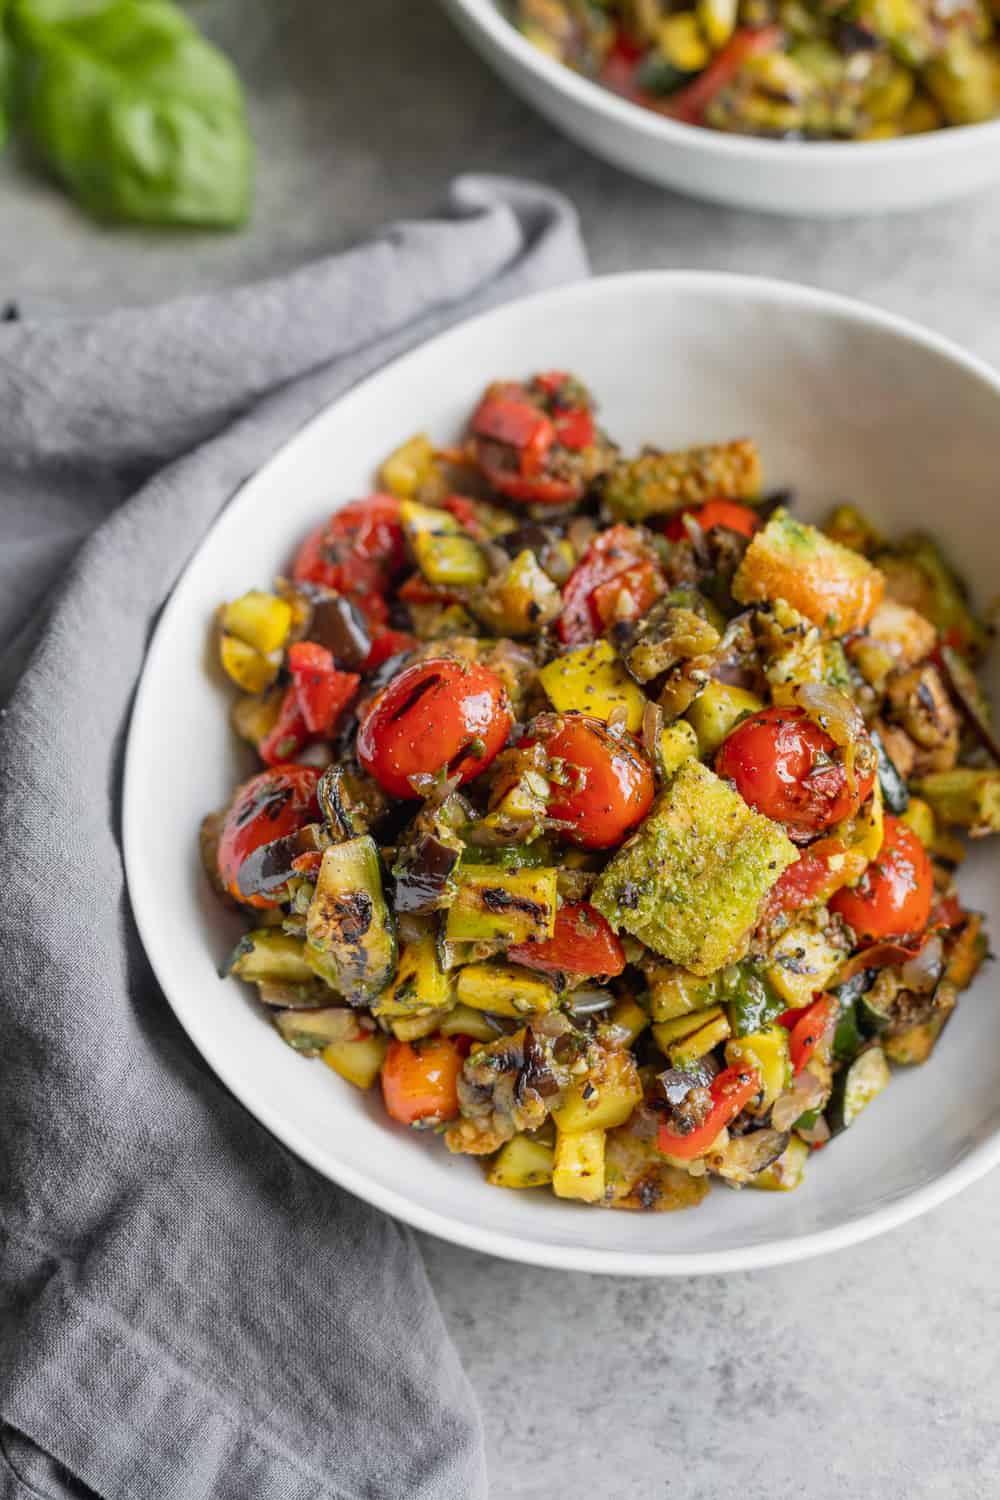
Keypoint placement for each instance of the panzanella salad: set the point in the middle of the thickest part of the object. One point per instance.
(608, 815)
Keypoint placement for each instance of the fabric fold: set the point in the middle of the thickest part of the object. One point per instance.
(185, 1308)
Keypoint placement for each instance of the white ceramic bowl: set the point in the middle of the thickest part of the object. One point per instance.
(788, 177)
(845, 402)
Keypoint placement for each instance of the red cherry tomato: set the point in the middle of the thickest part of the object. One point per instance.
(358, 551)
(268, 806)
(726, 513)
(731, 1090)
(609, 784)
(438, 715)
(628, 595)
(420, 1080)
(610, 554)
(582, 943)
(807, 1026)
(894, 896)
(786, 767)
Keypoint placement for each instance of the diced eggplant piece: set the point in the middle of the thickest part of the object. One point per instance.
(424, 871)
(267, 869)
(350, 930)
(339, 625)
(918, 701)
(667, 634)
(785, 1174)
(352, 801)
(744, 1157)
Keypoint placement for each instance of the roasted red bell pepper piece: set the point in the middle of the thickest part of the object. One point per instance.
(504, 419)
(728, 513)
(289, 735)
(323, 692)
(808, 882)
(808, 1025)
(388, 643)
(690, 103)
(574, 428)
(582, 944)
(731, 1091)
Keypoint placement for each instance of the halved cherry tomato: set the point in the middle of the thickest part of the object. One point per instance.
(808, 1026)
(358, 551)
(582, 944)
(420, 1080)
(731, 1090)
(289, 734)
(786, 767)
(628, 595)
(323, 691)
(269, 806)
(609, 783)
(610, 554)
(386, 643)
(727, 513)
(438, 715)
(893, 897)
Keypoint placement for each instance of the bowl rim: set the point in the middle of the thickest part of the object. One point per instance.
(486, 16)
(509, 1245)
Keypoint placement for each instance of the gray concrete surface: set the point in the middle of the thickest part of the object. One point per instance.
(872, 1374)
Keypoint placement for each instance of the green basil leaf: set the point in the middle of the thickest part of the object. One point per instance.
(6, 76)
(134, 110)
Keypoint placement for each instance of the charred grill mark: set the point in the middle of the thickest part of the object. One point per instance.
(415, 697)
(350, 915)
(498, 900)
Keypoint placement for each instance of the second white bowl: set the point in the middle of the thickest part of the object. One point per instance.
(786, 177)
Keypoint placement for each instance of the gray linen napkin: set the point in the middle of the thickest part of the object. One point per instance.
(185, 1309)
